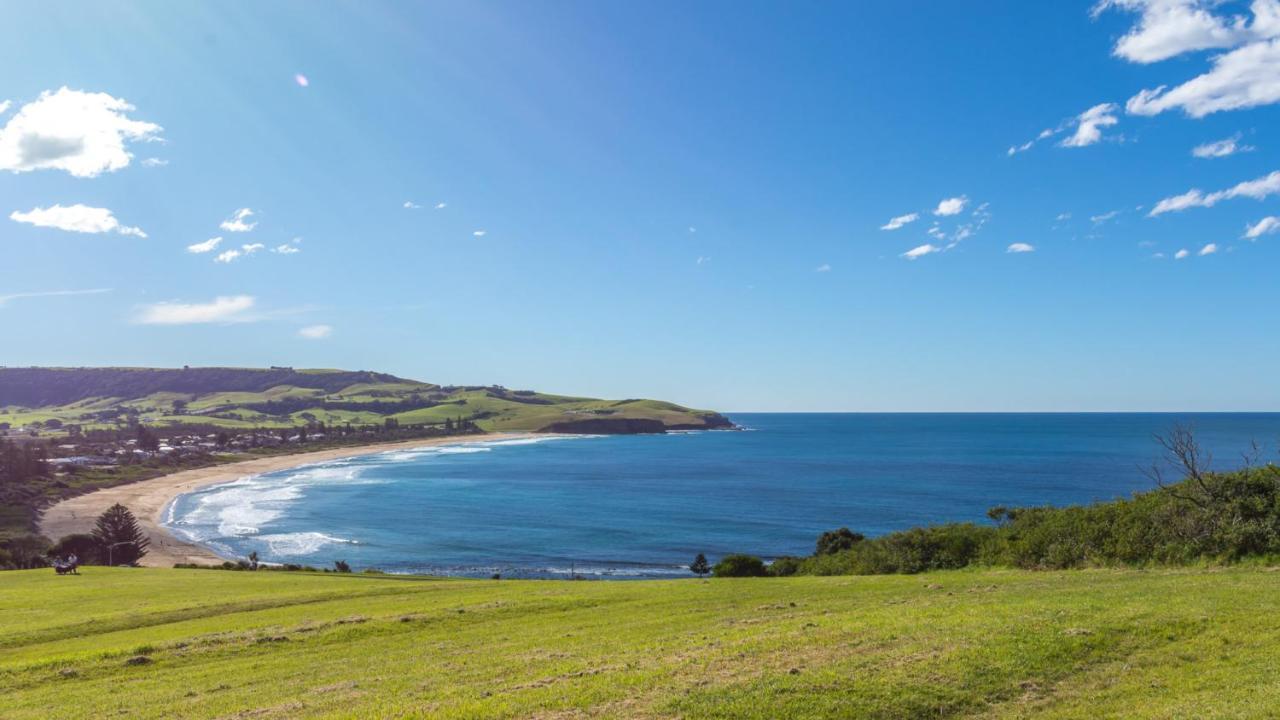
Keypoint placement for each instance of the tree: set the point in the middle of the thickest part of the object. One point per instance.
(341, 566)
(699, 565)
(834, 541)
(253, 560)
(147, 440)
(179, 407)
(26, 551)
(740, 566)
(117, 531)
(83, 545)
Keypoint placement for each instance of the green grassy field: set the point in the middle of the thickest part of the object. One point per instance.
(1194, 643)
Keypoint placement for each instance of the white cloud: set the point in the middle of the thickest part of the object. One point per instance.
(4, 106)
(238, 222)
(1089, 125)
(204, 247)
(702, 260)
(824, 267)
(897, 222)
(480, 233)
(1063, 216)
(252, 248)
(301, 80)
(288, 248)
(951, 206)
(441, 206)
(1265, 226)
(1246, 77)
(227, 256)
(5, 299)
(1221, 148)
(1099, 219)
(411, 205)
(1168, 28)
(75, 218)
(223, 309)
(920, 251)
(154, 162)
(1258, 189)
(1209, 249)
(1181, 254)
(316, 332)
(79, 132)
(1020, 248)
(693, 229)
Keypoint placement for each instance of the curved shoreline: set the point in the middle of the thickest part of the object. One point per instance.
(149, 499)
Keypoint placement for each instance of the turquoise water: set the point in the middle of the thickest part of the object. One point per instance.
(643, 506)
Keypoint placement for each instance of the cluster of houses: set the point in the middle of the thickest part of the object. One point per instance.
(175, 447)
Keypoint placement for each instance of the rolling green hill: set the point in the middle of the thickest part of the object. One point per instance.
(96, 398)
(1198, 643)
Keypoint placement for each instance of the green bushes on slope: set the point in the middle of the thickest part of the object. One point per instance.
(1217, 517)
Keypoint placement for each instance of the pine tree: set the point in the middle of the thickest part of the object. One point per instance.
(699, 566)
(118, 533)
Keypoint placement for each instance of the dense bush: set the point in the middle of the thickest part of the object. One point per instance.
(82, 545)
(1215, 517)
(739, 566)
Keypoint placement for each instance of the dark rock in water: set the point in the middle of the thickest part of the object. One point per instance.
(607, 426)
(633, 426)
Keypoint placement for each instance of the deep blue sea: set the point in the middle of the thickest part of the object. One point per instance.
(643, 506)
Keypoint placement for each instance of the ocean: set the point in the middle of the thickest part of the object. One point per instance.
(645, 505)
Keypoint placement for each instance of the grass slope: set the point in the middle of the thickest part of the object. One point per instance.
(993, 644)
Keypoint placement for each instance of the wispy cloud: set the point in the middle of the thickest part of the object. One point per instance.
(480, 233)
(1089, 125)
(1181, 254)
(76, 218)
(82, 133)
(316, 332)
(1104, 217)
(204, 247)
(1257, 189)
(1020, 248)
(154, 162)
(239, 221)
(288, 248)
(1209, 249)
(920, 251)
(702, 260)
(222, 309)
(441, 206)
(1221, 148)
(411, 205)
(900, 221)
(1265, 226)
(824, 267)
(302, 80)
(5, 299)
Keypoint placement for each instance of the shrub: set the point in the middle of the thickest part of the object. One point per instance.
(82, 545)
(739, 566)
(785, 566)
(834, 541)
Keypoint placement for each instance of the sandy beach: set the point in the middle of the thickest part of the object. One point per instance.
(149, 498)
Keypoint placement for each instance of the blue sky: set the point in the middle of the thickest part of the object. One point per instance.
(675, 200)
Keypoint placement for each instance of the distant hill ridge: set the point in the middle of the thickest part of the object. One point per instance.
(37, 398)
(40, 386)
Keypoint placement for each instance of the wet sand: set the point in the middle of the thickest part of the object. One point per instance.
(148, 499)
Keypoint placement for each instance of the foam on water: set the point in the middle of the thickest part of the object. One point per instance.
(299, 543)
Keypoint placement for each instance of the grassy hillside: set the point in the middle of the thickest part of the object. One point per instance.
(240, 398)
(996, 644)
